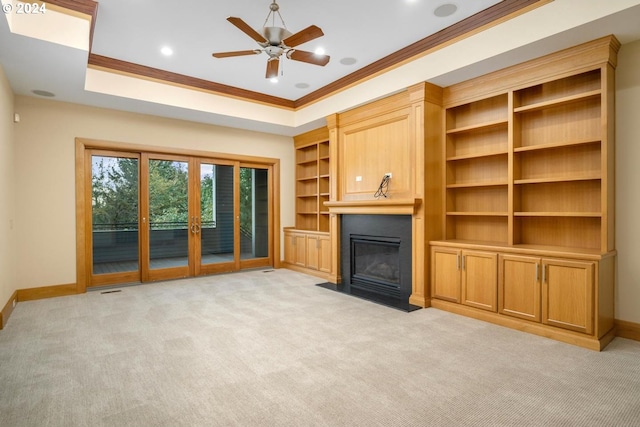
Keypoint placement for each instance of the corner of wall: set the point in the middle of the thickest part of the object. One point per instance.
(7, 200)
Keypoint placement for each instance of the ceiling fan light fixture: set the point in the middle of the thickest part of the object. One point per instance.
(277, 41)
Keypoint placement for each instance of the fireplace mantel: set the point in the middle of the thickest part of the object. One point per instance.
(372, 207)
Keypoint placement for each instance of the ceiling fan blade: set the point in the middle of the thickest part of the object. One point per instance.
(272, 68)
(245, 28)
(308, 34)
(235, 53)
(309, 57)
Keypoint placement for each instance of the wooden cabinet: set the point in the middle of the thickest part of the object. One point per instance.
(529, 173)
(307, 246)
(319, 252)
(555, 292)
(465, 276)
(307, 251)
(568, 294)
(295, 252)
(445, 274)
(479, 279)
(561, 295)
(519, 286)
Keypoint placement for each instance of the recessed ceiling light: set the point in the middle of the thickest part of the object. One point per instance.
(166, 51)
(43, 93)
(302, 85)
(445, 10)
(319, 51)
(348, 61)
(274, 80)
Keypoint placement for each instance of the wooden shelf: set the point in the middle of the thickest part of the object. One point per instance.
(557, 179)
(558, 102)
(478, 213)
(560, 214)
(477, 155)
(479, 184)
(479, 126)
(552, 145)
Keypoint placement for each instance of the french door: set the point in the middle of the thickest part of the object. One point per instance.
(161, 216)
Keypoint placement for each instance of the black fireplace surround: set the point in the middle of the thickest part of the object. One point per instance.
(375, 258)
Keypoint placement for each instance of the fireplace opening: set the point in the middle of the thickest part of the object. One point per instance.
(375, 264)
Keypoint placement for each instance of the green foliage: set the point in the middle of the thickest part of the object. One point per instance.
(168, 194)
(114, 193)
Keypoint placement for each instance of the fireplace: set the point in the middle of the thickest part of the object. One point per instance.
(375, 264)
(375, 258)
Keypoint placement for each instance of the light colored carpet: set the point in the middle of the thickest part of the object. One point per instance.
(271, 349)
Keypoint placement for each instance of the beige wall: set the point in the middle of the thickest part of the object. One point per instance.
(628, 182)
(45, 181)
(7, 194)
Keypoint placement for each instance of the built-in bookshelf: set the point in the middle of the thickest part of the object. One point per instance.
(528, 167)
(312, 186)
(529, 197)
(476, 170)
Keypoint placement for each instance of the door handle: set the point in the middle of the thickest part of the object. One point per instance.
(197, 225)
(193, 225)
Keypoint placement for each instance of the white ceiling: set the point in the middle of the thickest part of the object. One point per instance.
(368, 30)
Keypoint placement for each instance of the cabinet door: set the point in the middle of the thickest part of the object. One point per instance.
(445, 274)
(567, 294)
(480, 280)
(295, 248)
(289, 248)
(300, 244)
(519, 286)
(324, 262)
(313, 252)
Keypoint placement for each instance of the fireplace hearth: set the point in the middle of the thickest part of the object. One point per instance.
(375, 254)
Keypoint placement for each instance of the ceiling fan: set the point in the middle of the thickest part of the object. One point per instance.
(276, 41)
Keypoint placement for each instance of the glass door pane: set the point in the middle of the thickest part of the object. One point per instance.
(254, 213)
(217, 237)
(169, 225)
(114, 215)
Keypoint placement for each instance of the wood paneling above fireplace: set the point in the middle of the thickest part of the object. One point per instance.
(401, 135)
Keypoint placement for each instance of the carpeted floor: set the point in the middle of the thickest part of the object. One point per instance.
(271, 349)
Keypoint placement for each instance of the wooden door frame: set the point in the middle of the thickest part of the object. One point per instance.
(259, 262)
(83, 194)
(147, 274)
